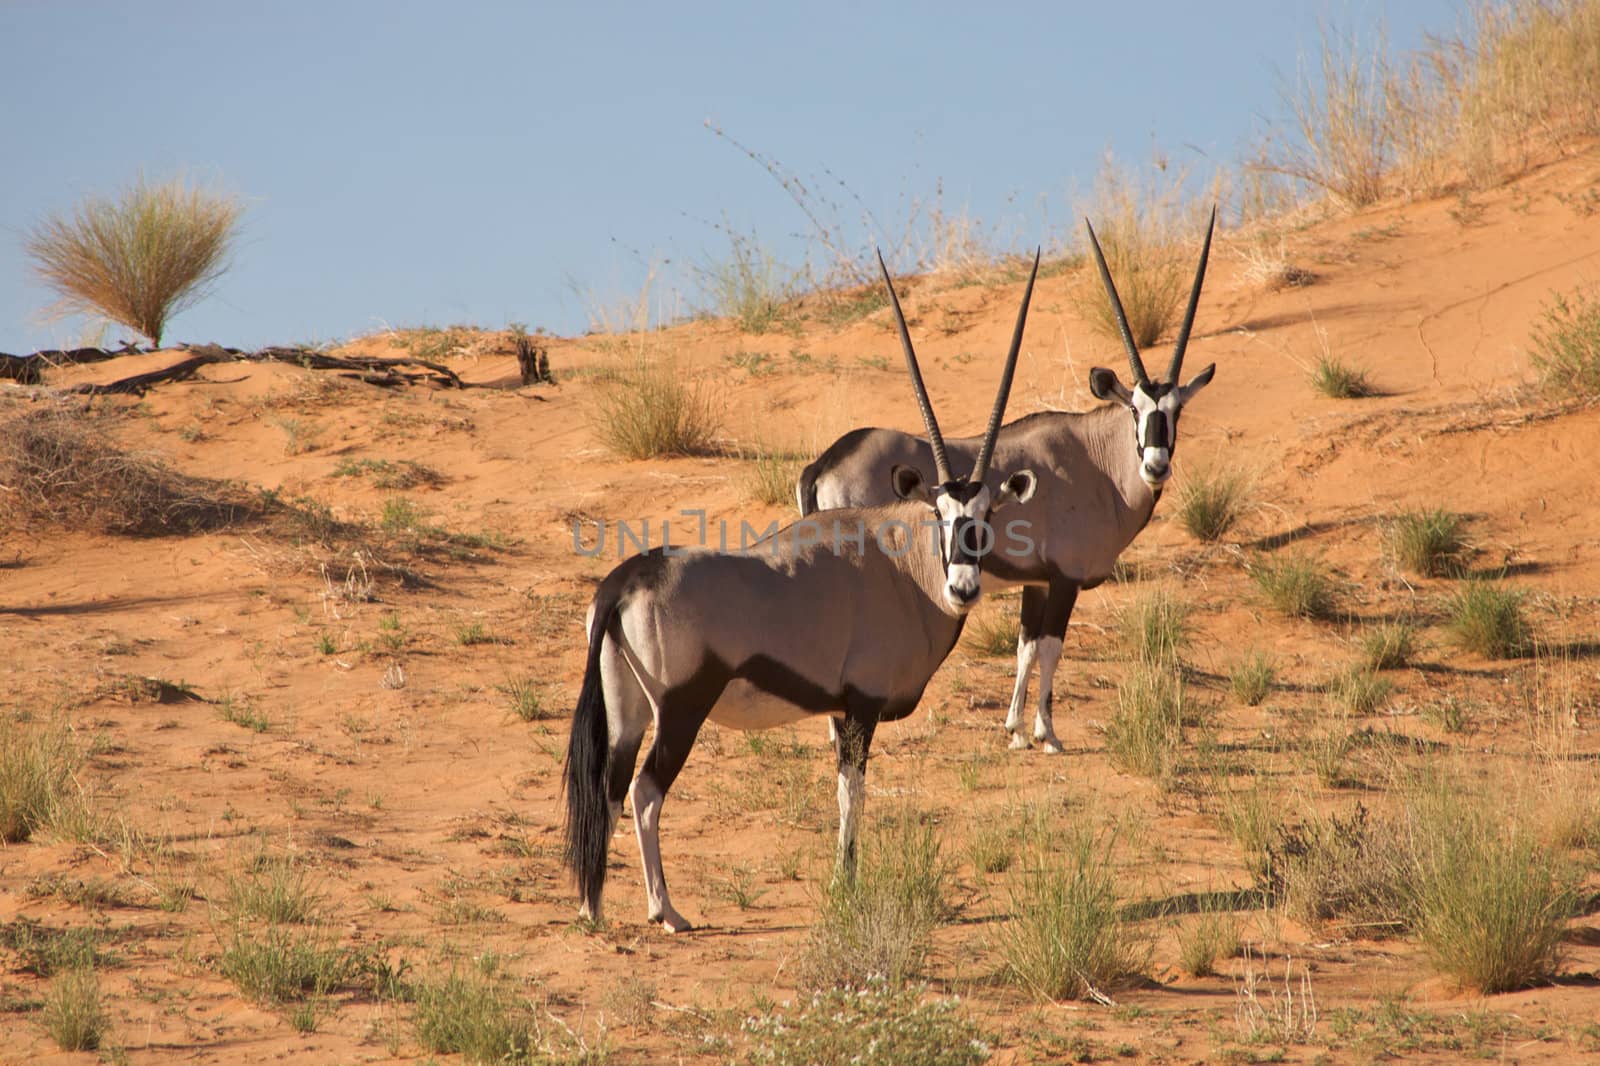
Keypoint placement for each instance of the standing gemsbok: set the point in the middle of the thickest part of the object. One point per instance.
(1100, 474)
(847, 618)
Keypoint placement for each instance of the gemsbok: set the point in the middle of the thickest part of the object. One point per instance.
(1100, 473)
(801, 624)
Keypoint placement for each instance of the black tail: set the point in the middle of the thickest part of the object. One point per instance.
(806, 490)
(588, 767)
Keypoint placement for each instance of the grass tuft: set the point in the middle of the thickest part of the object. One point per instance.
(1155, 627)
(1066, 938)
(1430, 543)
(771, 475)
(646, 409)
(1486, 618)
(476, 1015)
(140, 259)
(1566, 344)
(1388, 646)
(749, 286)
(1339, 380)
(880, 922)
(877, 1023)
(37, 784)
(1145, 733)
(1211, 501)
(73, 1014)
(1251, 678)
(1210, 936)
(275, 964)
(1295, 586)
(992, 634)
(1359, 691)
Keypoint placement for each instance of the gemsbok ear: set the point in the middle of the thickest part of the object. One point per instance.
(1196, 383)
(1107, 386)
(1018, 488)
(908, 484)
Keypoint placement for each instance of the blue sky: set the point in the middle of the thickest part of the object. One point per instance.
(414, 164)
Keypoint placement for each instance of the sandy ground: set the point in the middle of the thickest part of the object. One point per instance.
(429, 813)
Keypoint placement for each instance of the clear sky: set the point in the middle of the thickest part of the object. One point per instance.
(412, 164)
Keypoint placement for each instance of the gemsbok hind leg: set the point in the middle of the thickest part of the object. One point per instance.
(627, 717)
(1062, 597)
(677, 726)
(1033, 601)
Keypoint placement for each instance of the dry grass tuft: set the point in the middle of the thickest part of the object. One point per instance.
(1212, 500)
(645, 409)
(140, 259)
(1566, 344)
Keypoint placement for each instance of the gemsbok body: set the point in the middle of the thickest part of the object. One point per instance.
(846, 618)
(1100, 474)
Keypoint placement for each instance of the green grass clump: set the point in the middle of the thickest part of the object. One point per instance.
(877, 1023)
(273, 888)
(648, 409)
(37, 764)
(273, 964)
(1155, 627)
(140, 259)
(880, 921)
(1296, 586)
(478, 1016)
(1429, 543)
(1566, 344)
(526, 698)
(1210, 936)
(1144, 734)
(1066, 937)
(1486, 618)
(1251, 678)
(1211, 501)
(1339, 380)
(73, 1014)
(45, 951)
(1388, 646)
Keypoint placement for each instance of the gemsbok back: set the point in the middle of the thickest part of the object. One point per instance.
(1100, 474)
(847, 619)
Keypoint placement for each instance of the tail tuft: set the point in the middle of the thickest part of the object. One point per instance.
(588, 768)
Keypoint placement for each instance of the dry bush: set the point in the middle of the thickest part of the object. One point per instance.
(749, 286)
(645, 409)
(58, 468)
(1354, 870)
(140, 259)
(38, 764)
(1143, 229)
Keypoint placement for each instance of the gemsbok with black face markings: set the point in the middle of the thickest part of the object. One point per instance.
(1100, 474)
(847, 618)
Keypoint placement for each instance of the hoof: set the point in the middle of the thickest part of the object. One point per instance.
(1018, 742)
(1051, 746)
(675, 923)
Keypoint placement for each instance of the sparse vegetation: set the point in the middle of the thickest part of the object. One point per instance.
(878, 1023)
(140, 259)
(73, 1014)
(1566, 344)
(1295, 585)
(1388, 645)
(272, 887)
(1251, 678)
(1066, 938)
(749, 286)
(1335, 378)
(647, 409)
(1212, 500)
(1207, 937)
(526, 697)
(477, 1015)
(37, 767)
(275, 964)
(879, 923)
(1359, 691)
(1486, 618)
(1429, 543)
(1155, 627)
(1144, 735)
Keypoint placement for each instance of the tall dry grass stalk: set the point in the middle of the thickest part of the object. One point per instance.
(139, 259)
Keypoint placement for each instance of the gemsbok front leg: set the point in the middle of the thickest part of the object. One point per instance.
(1061, 598)
(1028, 628)
(852, 740)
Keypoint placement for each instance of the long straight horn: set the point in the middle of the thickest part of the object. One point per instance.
(940, 462)
(982, 466)
(1135, 364)
(1194, 302)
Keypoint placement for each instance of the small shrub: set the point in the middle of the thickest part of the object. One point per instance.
(138, 260)
(1358, 692)
(275, 963)
(1566, 344)
(1155, 627)
(1491, 902)
(1339, 380)
(877, 1023)
(73, 1014)
(647, 410)
(273, 888)
(1352, 869)
(1430, 543)
(879, 923)
(1066, 938)
(1144, 735)
(1388, 646)
(1210, 936)
(1251, 678)
(992, 634)
(1211, 501)
(477, 1016)
(1487, 619)
(37, 767)
(1295, 586)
